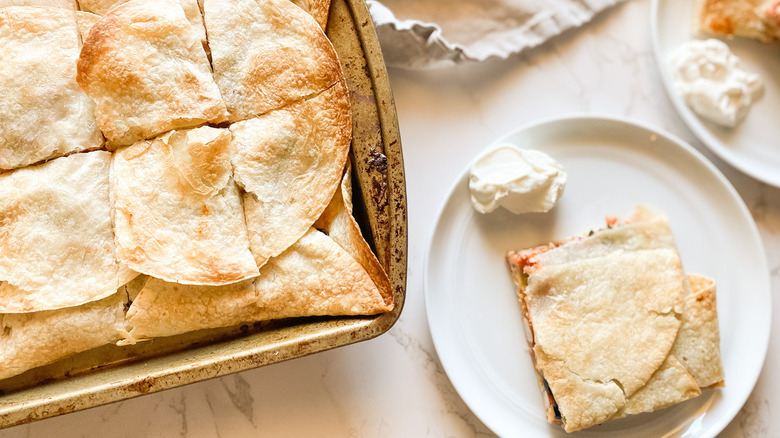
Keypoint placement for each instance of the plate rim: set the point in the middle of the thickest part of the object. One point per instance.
(695, 154)
(690, 119)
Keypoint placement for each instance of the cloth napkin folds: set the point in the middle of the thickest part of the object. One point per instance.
(428, 34)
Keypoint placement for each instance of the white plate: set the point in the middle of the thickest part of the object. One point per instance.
(613, 165)
(754, 145)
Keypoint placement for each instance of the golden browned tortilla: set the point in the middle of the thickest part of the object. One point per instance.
(43, 112)
(29, 340)
(171, 89)
(612, 321)
(320, 274)
(245, 34)
(747, 18)
(318, 9)
(313, 277)
(289, 163)
(226, 189)
(177, 211)
(56, 242)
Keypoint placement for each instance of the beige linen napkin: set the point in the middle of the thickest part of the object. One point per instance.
(425, 34)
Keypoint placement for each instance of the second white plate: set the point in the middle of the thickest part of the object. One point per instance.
(613, 165)
(754, 145)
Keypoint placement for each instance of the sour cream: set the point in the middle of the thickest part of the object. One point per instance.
(520, 180)
(714, 82)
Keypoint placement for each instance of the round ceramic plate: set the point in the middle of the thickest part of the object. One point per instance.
(754, 145)
(613, 165)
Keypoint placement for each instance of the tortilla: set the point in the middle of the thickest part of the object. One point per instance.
(64, 4)
(43, 112)
(698, 342)
(289, 162)
(267, 54)
(29, 340)
(602, 313)
(696, 346)
(55, 235)
(318, 9)
(338, 222)
(171, 89)
(177, 211)
(313, 277)
(735, 17)
(669, 385)
(191, 11)
(316, 277)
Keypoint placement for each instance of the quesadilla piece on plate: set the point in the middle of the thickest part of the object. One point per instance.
(669, 385)
(191, 11)
(318, 9)
(56, 244)
(43, 112)
(30, 340)
(146, 69)
(697, 346)
(314, 277)
(289, 161)
(602, 314)
(748, 18)
(694, 360)
(177, 211)
(267, 54)
(338, 222)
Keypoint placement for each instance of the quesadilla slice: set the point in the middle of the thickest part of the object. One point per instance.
(43, 112)
(147, 71)
(338, 222)
(177, 211)
(314, 277)
(602, 313)
(697, 346)
(30, 340)
(289, 162)
(267, 54)
(669, 385)
(694, 360)
(56, 244)
(756, 19)
(318, 9)
(190, 7)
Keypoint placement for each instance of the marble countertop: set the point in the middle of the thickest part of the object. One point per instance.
(394, 386)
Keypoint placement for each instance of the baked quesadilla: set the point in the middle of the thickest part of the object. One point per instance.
(171, 89)
(43, 112)
(314, 277)
(195, 217)
(610, 322)
(29, 340)
(56, 242)
(245, 34)
(318, 9)
(321, 274)
(289, 162)
(177, 211)
(758, 19)
(190, 7)
(339, 223)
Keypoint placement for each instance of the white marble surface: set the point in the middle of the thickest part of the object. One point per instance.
(394, 386)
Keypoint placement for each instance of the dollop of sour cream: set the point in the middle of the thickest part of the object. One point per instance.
(714, 82)
(520, 180)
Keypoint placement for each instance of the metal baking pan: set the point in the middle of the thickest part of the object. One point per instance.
(110, 373)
